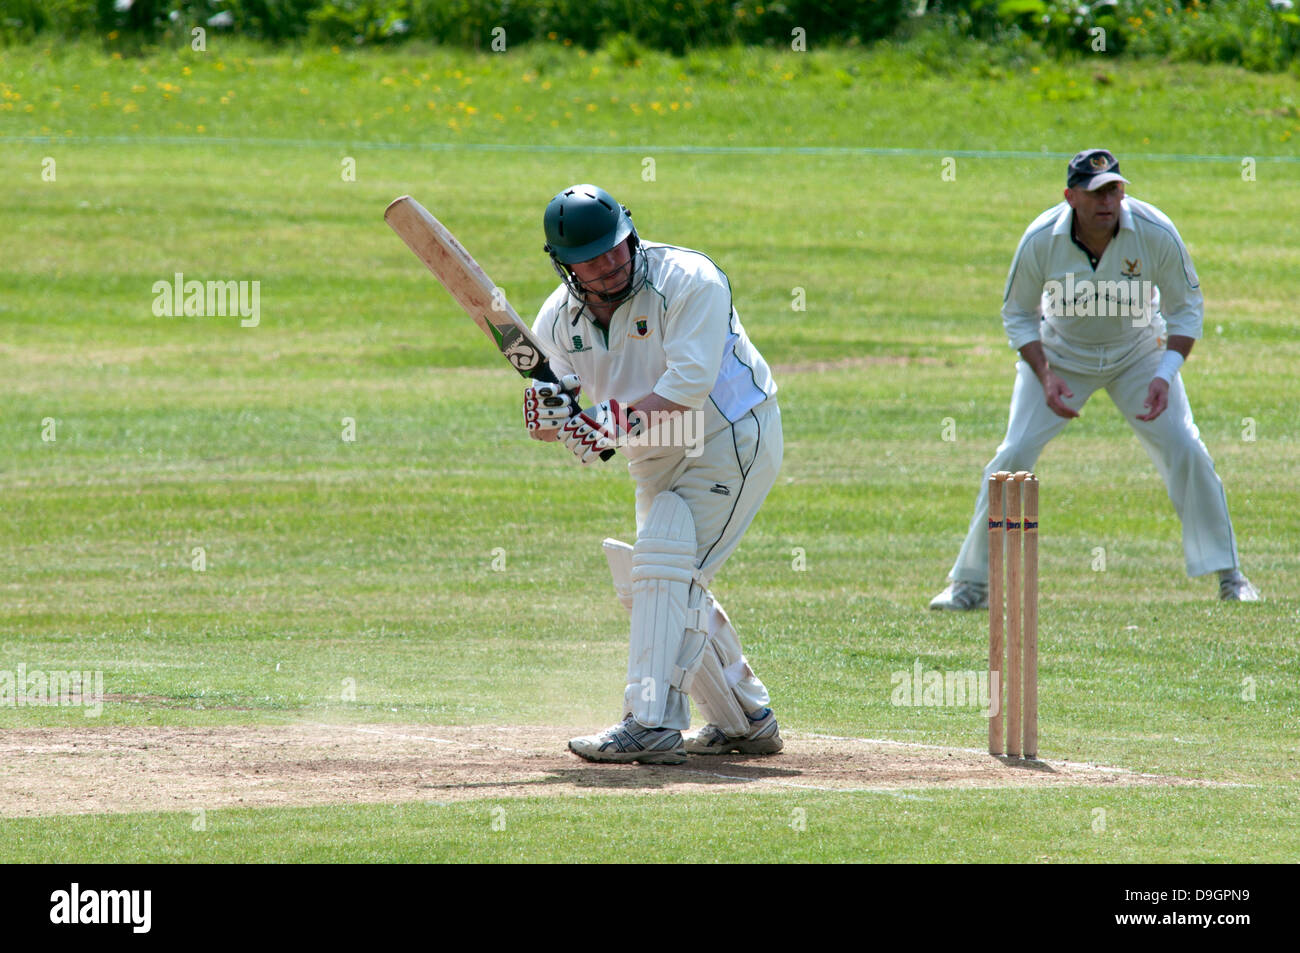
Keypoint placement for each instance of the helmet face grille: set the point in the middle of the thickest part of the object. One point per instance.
(637, 270)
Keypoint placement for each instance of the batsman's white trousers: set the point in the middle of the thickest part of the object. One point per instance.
(723, 487)
(1171, 440)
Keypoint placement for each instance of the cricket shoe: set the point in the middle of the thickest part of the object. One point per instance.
(630, 741)
(961, 596)
(763, 738)
(1237, 588)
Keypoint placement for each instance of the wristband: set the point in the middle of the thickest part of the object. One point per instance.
(1169, 364)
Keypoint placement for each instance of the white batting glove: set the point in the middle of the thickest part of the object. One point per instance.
(547, 406)
(594, 433)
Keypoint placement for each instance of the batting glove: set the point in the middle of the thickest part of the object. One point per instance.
(547, 406)
(594, 433)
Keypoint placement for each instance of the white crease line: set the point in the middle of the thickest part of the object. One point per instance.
(1076, 765)
(978, 751)
(439, 741)
(886, 742)
(712, 774)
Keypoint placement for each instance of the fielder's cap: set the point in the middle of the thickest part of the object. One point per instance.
(1091, 169)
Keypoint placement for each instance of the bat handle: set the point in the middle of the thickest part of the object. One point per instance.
(546, 374)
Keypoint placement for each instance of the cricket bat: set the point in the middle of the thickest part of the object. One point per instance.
(461, 275)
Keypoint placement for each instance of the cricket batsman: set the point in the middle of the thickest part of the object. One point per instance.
(1096, 282)
(646, 336)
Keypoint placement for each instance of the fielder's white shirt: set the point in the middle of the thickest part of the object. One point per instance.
(679, 336)
(1090, 319)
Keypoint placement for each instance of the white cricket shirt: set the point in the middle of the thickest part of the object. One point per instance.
(679, 336)
(1098, 318)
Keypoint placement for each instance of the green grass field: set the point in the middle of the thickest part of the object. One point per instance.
(372, 559)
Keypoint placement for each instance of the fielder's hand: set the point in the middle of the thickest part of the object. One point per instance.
(593, 434)
(1056, 390)
(548, 406)
(1157, 399)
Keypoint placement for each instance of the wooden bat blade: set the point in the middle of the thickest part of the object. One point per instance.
(461, 275)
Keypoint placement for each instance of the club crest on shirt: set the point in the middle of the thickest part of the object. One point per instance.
(640, 328)
(1132, 269)
(579, 344)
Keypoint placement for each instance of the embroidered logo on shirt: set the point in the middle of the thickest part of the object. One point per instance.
(720, 489)
(641, 328)
(577, 342)
(1132, 269)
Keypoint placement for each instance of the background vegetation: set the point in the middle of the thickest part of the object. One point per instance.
(1257, 34)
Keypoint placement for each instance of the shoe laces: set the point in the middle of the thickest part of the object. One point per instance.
(630, 725)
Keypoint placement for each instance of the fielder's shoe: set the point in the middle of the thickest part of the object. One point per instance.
(763, 738)
(630, 741)
(960, 596)
(1237, 588)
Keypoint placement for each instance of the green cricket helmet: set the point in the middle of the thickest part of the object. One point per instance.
(584, 222)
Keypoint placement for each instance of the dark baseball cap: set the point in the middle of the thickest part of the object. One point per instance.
(1091, 169)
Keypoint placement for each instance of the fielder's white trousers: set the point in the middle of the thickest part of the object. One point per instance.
(744, 460)
(1171, 440)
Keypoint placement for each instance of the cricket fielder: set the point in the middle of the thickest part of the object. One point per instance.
(1095, 282)
(650, 335)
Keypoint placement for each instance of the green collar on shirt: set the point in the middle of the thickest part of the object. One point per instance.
(1074, 237)
(591, 319)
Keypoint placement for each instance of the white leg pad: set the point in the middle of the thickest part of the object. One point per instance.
(726, 687)
(668, 637)
(619, 556)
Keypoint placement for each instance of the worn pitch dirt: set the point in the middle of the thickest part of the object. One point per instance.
(128, 769)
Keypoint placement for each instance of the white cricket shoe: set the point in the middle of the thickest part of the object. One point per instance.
(1237, 588)
(763, 738)
(630, 741)
(961, 596)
